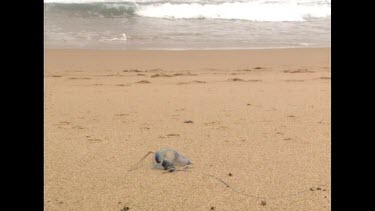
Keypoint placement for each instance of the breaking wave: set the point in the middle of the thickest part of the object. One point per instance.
(251, 10)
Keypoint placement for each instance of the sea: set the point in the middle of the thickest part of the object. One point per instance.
(186, 24)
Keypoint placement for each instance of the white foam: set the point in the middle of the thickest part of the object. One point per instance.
(255, 11)
(191, 1)
(120, 1)
(123, 37)
(83, 1)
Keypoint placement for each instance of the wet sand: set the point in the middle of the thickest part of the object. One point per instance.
(256, 120)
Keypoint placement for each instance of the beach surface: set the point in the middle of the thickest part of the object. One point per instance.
(255, 123)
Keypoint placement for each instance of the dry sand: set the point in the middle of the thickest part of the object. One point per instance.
(262, 116)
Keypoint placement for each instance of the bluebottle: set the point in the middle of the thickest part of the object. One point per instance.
(168, 159)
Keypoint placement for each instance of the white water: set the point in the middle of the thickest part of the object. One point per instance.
(187, 24)
(253, 11)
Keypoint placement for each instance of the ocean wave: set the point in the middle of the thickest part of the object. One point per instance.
(255, 10)
(190, 1)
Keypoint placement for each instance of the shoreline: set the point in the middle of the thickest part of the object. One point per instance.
(192, 49)
(185, 59)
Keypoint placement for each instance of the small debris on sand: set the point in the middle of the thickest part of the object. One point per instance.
(144, 82)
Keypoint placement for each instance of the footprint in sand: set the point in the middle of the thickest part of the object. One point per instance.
(191, 82)
(160, 75)
(294, 80)
(245, 70)
(94, 140)
(299, 71)
(249, 69)
(184, 74)
(110, 75)
(211, 123)
(122, 85)
(236, 79)
(64, 123)
(325, 78)
(170, 135)
(173, 134)
(121, 114)
(242, 80)
(132, 71)
(78, 127)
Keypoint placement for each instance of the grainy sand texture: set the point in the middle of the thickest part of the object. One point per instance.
(255, 124)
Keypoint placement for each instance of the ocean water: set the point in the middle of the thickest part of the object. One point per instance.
(186, 24)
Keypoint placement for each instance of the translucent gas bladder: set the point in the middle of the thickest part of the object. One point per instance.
(169, 159)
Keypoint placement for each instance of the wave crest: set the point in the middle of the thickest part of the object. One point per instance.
(252, 11)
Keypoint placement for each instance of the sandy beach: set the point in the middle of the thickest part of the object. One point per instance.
(255, 123)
